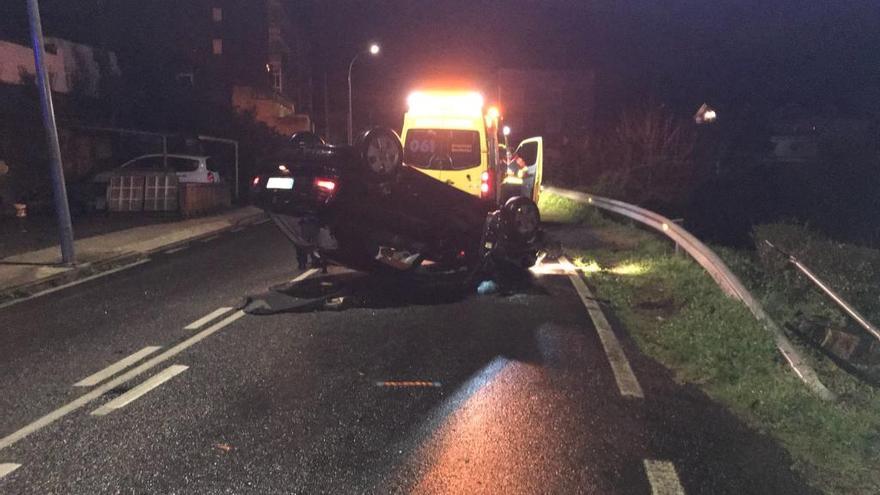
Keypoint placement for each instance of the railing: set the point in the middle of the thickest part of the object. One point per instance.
(717, 269)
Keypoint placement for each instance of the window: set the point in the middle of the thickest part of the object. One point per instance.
(217, 14)
(217, 46)
(442, 149)
(277, 81)
(182, 164)
(147, 163)
(529, 153)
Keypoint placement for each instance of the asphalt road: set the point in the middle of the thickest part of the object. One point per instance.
(473, 394)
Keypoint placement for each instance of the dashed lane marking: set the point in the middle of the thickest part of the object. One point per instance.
(663, 478)
(213, 315)
(116, 367)
(75, 282)
(100, 390)
(139, 391)
(8, 467)
(623, 373)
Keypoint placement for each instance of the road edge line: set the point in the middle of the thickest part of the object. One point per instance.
(626, 380)
(73, 283)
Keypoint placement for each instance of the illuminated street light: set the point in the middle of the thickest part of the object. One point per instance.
(372, 50)
(506, 131)
(705, 115)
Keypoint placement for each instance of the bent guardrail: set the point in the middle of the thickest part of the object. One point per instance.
(717, 269)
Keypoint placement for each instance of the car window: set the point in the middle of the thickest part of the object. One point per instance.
(442, 149)
(182, 164)
(212, 164)
(529, 152)
(147, 163)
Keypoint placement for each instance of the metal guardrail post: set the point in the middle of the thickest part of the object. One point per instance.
(716, 268)
(851, 311)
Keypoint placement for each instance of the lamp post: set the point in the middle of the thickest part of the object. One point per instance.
(372, 50)
(56, 171)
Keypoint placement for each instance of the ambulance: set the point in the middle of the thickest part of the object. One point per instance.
(448, 136)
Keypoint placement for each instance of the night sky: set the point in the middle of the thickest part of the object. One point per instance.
(821, 54)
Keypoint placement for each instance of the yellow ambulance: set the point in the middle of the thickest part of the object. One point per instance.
(448, 136)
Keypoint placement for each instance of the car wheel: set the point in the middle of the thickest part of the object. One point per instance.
(379, 149)
(521, 216)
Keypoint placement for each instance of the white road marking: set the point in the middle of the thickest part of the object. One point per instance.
(662, 477)
(208, 317)
(623, 373)
(237, 229)
(177, 249)
(116, 367)
(8, 467)
(97, 392)
(210, 238)
(135, 393)
(75, 282)
(306, 274)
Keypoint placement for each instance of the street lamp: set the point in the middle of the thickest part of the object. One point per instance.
(372, 50)
(506, 132)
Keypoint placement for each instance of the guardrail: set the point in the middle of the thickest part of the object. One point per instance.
(717, 269)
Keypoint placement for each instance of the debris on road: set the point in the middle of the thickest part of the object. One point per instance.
(487, 287)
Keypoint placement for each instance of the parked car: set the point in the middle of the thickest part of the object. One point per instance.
(188, 168)
(362, 207)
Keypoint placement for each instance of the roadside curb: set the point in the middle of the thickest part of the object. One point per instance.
(92, 268)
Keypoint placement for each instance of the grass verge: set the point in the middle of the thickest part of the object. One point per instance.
(677, 315)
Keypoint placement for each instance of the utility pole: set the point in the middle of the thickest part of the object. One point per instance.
(62, 209)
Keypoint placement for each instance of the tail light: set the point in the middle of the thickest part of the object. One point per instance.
(210, 176)
(326, 185)
(325, 188)
(256, 181)
(486, 184)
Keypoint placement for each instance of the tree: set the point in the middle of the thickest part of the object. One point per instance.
(647, 157)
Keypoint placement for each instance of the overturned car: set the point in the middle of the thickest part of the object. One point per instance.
(360, 206)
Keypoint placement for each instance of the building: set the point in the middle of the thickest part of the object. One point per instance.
(250, 54)
(73, 68)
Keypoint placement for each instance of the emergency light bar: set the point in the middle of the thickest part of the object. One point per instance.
(445, 103)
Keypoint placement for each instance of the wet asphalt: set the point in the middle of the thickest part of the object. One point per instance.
(461, 394)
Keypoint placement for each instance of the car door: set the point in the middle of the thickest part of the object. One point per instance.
(532, 151)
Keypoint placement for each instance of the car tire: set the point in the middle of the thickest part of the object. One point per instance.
(380, 152)
(521, 217)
